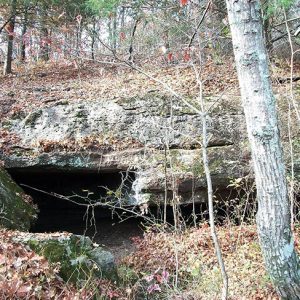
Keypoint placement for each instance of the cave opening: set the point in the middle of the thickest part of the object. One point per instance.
(71, 212)
(109, 225)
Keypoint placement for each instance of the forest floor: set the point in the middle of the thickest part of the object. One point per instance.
(44, 84)
(34, 86)
(164, 265)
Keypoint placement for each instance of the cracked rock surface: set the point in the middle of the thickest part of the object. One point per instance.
(157, 137)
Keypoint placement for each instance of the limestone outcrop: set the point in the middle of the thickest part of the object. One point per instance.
(157, 137)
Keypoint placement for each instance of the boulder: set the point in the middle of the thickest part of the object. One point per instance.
(16, 208)
(78, 257)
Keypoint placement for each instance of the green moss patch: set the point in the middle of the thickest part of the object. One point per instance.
(80, 260)
(16, 211)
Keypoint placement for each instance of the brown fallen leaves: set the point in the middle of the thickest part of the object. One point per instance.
(89, 143)
(158, 257)
(192, 252)
(26, 275)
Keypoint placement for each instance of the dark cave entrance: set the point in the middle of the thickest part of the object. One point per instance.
(230, 207)
(113, 230)
(73, 215)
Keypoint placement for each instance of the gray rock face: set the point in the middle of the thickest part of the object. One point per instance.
(150, 122)
(159, 138)
(15, 210)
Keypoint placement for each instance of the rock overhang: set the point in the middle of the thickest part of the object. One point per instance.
(156, 137)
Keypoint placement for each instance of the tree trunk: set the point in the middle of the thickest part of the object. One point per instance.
(67, 43)
(10, 39)
(130, 59)
(273, 217)
(78, 40)
(45, 47)
(114, 45)
(112, 31)
(93, 40)
(122, 17)
(44, 51)
(267, 26)
(24, 30)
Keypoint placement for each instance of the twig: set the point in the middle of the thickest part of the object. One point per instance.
(286, 21)
(199, 24)
(288, 79)
(92, 205)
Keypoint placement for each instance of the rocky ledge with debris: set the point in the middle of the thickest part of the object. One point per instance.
(147, 131)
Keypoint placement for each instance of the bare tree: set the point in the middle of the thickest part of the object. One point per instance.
(10, 39)
(273, 217)
(24, 31)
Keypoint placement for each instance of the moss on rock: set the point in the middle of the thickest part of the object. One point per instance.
(80, 260)
(32, 118)
(16, 212)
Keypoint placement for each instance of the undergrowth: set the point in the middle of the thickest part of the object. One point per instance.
(164, 265)
(172, 265)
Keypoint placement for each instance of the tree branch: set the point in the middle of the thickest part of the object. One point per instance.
(199, 24)
(3, 26)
